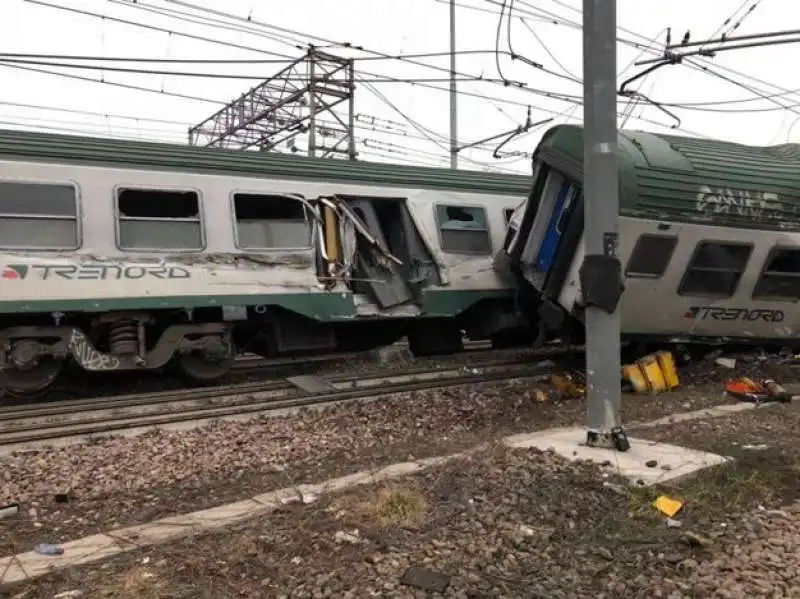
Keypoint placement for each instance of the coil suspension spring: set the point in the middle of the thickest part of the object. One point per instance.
(123, 337)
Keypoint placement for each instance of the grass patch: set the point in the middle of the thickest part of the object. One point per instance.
(388, 506)
(760, 478)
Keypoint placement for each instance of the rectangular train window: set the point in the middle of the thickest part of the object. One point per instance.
(463, 229)
(650, 256)
(38, 216)
(270, 222)
(153, 219)
(715, 269)
(781, 276)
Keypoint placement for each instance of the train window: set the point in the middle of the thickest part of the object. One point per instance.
(151, 219)
(38, 216)
(464, 229)
(650, 256)
(715, 269)
(781, 276)
(270, 222)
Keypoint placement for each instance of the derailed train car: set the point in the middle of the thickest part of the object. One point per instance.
(709, 239)
(122, 255)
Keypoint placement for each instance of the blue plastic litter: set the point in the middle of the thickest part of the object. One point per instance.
(48, 549)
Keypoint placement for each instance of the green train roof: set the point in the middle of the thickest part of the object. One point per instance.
(94, 151)
(687, 179)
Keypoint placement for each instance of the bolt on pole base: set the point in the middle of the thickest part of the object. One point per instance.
(615, 439)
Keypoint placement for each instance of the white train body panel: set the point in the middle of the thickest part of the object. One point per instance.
(102, 270)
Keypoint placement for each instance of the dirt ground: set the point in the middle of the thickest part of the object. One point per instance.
(504, 523)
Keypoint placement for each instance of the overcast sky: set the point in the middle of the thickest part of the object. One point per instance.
(412, 120)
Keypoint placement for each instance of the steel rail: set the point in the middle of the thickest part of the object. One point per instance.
(237, 404)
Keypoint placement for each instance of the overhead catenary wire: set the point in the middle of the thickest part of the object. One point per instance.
(334, 43)
(430, 86)
(560, 19)
(476, 95)
(206, 75)
(481, 96)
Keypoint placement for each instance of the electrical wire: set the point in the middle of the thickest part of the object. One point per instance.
(572, 99)
(243, 61)
(334, 43)
(561, 20)
(545, 48)
(430, 86)
(204, 75)
(114, 84)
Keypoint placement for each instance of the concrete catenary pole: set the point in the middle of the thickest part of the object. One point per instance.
(601, 197)
(453, 90)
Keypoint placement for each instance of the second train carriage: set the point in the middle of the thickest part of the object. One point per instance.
(709, 238)
(124, 255)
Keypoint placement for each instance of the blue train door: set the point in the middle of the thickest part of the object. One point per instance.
(547, 251)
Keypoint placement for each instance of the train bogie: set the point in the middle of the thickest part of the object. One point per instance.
(129, 256)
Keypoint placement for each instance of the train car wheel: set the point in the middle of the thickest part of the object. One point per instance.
(201, 367)
(31, 379)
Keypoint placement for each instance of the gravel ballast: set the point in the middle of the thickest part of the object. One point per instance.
(500, 523)
(122, 481)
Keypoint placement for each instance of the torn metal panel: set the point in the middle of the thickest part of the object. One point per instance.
(366, 233)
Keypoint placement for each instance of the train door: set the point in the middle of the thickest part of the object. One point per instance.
(385, 256)
(379, 270)
(555, 226)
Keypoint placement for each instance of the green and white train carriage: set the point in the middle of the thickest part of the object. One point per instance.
(125, 255)
(709, 238)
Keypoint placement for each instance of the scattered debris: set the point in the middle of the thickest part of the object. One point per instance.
(69, 595)
(353, 537)
(48, 549)
(11, 509)
(540, 396)
(672, 523)
(746, 389)
(668, 506)
(567, 386)
(651, 463)
(425, 579)
(726, 362)
(653, 373)
(757, 447)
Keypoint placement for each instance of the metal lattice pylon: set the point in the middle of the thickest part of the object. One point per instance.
(286, 105)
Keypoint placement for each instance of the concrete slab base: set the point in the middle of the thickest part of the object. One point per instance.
(646, 463)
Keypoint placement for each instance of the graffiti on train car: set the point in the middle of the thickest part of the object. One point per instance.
(88, 356)
(717, 313)
(739, 202)
(92, 272)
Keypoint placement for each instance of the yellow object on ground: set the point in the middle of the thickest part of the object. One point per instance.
(653, 373)
(668, 506)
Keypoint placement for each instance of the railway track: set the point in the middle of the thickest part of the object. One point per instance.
(107, 415)
(253, 362)
(247, 365)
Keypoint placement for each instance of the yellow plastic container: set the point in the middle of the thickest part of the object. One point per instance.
(667, 363)
(652, 372)
(634, 374)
